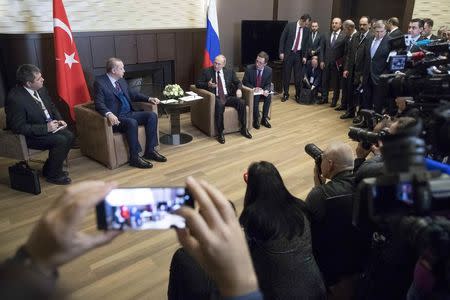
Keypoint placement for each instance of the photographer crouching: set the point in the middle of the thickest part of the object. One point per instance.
(337, 246)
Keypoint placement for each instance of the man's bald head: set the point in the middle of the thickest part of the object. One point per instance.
(337, 157)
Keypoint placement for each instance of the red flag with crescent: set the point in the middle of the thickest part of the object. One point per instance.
(70, 82)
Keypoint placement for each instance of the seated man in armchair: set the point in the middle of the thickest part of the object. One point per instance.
(113, 100)
(228, 93)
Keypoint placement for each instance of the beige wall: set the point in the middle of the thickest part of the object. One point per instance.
(438, 10)
(21, 16)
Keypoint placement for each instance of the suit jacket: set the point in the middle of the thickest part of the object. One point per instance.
(356, 56)
(288, 37)
(24, 114)
(396, 33)
(333, 53)
(315, 45)
(314, 73)
(377, 65)
(232, 83)
(106, 97)
(249, 79)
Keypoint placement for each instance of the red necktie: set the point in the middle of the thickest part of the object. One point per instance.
(298, 39)
(220, 89)
(258, 79)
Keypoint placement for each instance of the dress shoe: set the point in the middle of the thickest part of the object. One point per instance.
(340, 108)
(140, 163)
(155, 156)
(347, 115)
(64, 173)
(333, 104)
(284, 98)
(256, 125)
(297, 98)
(245, 133)
(62, 180)
(266, 123)
(322, 101)
(221, 138)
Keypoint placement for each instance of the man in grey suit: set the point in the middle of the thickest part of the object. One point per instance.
(331, 60)
(294, 44)
(227, 87)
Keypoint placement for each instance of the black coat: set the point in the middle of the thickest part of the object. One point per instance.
(333, 53)
(231, 81)
(249, 79)
(288, 37)
(356, 56)
(315, 45)
(377, 65)
(24, 115)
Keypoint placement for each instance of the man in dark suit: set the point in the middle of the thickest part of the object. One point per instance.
(377, 52)
(331, 59)
(315, 40)
(354, 66)
(313, 78)
(428, 28)
(294, 44)
(392, 26)
(227, 87)
(415, 29)
(113, 100)
(30, 111)
(259, 78)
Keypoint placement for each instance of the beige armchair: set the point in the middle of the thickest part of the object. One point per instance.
(13, 145)
(97, 139)
(202, 112)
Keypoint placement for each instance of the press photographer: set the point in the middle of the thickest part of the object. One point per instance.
(337, 246)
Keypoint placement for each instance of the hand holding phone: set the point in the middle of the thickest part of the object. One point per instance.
(143, 208)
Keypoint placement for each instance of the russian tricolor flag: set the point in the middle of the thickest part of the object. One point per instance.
(212, 48)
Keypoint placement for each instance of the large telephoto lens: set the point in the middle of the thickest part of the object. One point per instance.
(315, 152)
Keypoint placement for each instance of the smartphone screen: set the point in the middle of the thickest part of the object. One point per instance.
(142, 208)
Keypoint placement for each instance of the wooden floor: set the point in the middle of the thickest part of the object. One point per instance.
(136, 264)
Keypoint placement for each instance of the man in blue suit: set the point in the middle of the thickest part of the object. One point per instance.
(259, 77)
(113, 100)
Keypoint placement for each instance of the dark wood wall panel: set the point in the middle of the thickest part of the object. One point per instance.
(166, 46)
(146, 46)
(184, 66)
(182, 47)
(126, 48)
(102, 48)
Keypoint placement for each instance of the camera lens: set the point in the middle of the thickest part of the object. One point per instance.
(315, 152)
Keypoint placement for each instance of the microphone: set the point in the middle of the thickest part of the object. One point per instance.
(423, 42)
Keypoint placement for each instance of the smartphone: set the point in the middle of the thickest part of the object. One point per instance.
(143, 208)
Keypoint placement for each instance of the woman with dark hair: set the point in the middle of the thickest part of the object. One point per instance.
(277, 227)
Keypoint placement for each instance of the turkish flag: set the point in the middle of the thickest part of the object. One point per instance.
(70, 83)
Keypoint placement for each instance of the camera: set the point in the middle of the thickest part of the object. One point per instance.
(366, 137)
(143, 208)
(315, 152)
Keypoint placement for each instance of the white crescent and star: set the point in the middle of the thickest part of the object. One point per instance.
(69, 59)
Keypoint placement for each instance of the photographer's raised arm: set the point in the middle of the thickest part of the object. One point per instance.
(216, 241)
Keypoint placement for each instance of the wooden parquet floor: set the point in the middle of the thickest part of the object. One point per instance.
(136, 264)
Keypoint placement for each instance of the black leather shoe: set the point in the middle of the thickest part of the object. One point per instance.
(140, 163)
(347, 115)
(297, 98)
(284, 98)
(62, 180)
(245, 133)
(340, 108)
(221, 138)
(266, 123)
(256, 125)
(155, 156)
(333, 104)
(64, 173)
